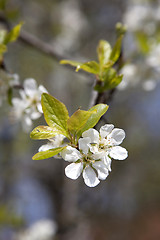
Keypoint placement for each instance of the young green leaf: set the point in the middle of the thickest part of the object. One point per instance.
(113, 83)
(44, 132)
(110, 80)
(91, 67)
(78, 120)
(70, 62)
(48, 153)
(55, 113)
(116, 50)
(13, 34)
(3, 49)
(94, 118)
(104, 51)
(143, 42)
(3, 34)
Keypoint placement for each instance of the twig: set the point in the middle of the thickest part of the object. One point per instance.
(43, 47)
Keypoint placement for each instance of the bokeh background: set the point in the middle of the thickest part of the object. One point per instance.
(126, 205)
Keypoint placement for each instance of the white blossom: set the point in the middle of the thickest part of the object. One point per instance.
(93, 156)
(32, 95)
(149, 85)
(44, 229)
(107, 144)
(54, 142)
(153, 60)
(129, 72)
(140, 17)
(28, 107)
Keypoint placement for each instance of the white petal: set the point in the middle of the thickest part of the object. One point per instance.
(23, 95)
(118, 153)
(26, 123)
(101, 169)
(83, 144)
(35, 115)
(70, 154)
(39, 107)
(45, 147)
(106, 129)
(98, 155)
(42, 89)
(90, 177)
(116, 136)
(94, 148)
(92, 134)
(107, 161)
(74, 170)
(27, 120)
(30, 86)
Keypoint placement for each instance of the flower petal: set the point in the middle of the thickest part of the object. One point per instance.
(45, 147)
(70, 154)
(92, 134)
(30, 86)
(101, 170)
(42, 89)
(106, 129)
(90, 177)
(107, 161)
(116, 136)
(118, 153)
(94, 148)
(74, 170)
(39, 107)
(35, 115)
(83, 144)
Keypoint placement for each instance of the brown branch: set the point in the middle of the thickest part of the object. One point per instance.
(43, 47)
(32, 41)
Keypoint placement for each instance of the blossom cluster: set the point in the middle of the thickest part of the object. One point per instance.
(93, 153)
(141, 45)
(28, 106)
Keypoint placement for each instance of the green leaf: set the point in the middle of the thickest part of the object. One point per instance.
(72, 63)
(143, 42)
(3, 34)
(91, 67)
(13, 34)
(55, 113)
(116, 49)
(43, 132)
(3, 49)
(108, 74)
(94, 118)
(104, 51)
(110, 80)
(78, 120)
(48, 153)
(113, 83)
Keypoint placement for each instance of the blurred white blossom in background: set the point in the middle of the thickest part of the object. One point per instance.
(44, 229)
(73, 24)
(28, 107)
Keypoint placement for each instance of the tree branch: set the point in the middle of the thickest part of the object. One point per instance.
(43, 47)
